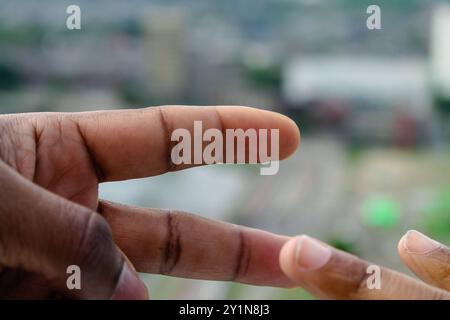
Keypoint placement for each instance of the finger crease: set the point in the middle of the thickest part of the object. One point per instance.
(172, 249)
(242, 258)
(95, 164)
(170, 166)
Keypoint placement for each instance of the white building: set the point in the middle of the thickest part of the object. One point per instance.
(440, 50)
(388, 81)
(371, 98)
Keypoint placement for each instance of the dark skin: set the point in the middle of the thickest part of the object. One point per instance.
(51, 217)
(340, 275)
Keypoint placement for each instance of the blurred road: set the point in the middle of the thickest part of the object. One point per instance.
(305, 195)
(321, 191)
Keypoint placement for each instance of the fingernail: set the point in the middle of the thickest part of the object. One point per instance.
(418, 243)
(311, 254)
(130, 287)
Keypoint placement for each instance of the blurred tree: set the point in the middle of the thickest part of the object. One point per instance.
(267, 77)
(437, 217)
(443, 105)
(9, 77)
(344, 245)
(131, 27)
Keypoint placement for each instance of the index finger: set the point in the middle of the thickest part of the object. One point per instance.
(129, 144)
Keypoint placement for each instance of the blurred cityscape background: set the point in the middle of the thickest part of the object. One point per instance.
(373, 107)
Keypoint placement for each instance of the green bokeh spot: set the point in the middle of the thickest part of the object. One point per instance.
(381, 212)
(437, 218)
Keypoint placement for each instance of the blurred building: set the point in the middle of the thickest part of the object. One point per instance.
(372, 99)
(165, 55)
(440, 51)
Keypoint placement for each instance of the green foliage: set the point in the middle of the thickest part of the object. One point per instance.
(9, 77)
(344, 245)
(26, 35)
(381, 212)
(131, 27)
(267, 77)
(132, 93)
(437, 218)
(443, 105)
(295, 294)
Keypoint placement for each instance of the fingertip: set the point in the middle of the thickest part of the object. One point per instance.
(426, 257)
(287, 257)
(414, 242)
(303, 254)
(413, 247)
(130, 286)
(291, 141)
(401, 245)
(290, 136)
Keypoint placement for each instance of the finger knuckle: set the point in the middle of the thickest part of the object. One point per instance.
(350, 273)
(243, 256)
(17, 143)
(7, 139)
(172, 244)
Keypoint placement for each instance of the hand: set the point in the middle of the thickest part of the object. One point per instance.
(50, 216)
(333, 274)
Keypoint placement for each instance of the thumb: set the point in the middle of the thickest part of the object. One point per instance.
(334, 274)
(45, 234)
(427, 258)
